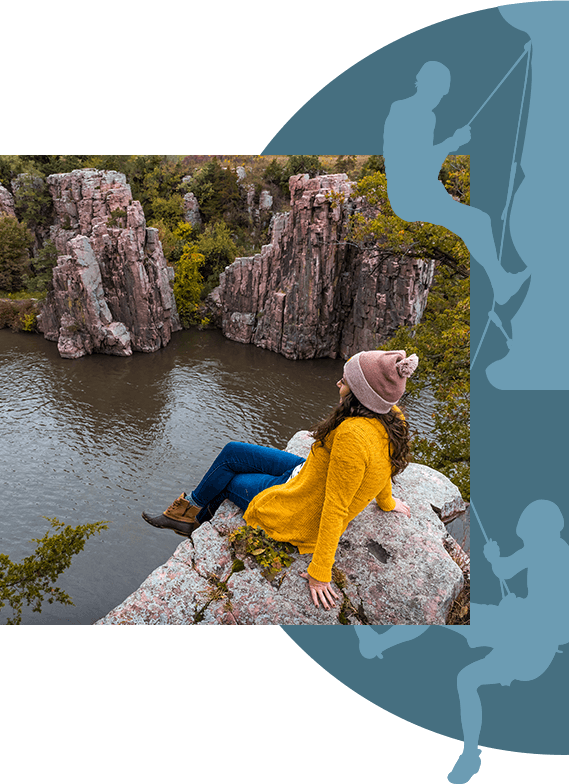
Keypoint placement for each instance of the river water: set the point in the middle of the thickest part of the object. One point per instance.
(102, 438)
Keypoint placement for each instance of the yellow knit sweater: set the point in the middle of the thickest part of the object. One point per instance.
(335, 484)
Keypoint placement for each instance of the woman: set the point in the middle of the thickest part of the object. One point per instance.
(362, 444)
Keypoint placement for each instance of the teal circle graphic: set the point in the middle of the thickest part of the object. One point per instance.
(515, 460)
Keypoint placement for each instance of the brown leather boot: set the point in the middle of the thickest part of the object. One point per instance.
(179, 517)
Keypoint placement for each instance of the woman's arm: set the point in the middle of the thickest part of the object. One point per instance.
(384, 498)
(346, 471)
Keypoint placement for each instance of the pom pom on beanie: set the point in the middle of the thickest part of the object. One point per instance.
(407, 366)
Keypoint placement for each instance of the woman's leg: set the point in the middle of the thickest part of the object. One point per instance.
(239, 473)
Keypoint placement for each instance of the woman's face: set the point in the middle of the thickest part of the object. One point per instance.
(343, 387)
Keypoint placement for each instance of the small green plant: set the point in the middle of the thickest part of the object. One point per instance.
(347, 608)
(217, 589)
(272, 556)
(116, 216)
(29, 322)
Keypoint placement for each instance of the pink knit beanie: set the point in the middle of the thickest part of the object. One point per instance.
(378, 378)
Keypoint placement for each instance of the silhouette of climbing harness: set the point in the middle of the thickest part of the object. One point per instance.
(492, 315)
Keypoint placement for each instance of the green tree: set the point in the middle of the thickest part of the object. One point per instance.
(278, 174)
(218, 250)
(303, 164)
(53, 164)
(33, 203)
(157, 181)
(174, 239)
(345, 164)
(41, 270)
(375, 163)
(31, 581)
(422, 240)
(188, 283)
(217, 191)
(120, 163)
(15, 241)
(10, 166)
(169, 211)
(274, 173)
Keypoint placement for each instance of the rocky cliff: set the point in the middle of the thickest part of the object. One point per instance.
(6, 203)
(112, 288)
(310, 293)
(389, 569)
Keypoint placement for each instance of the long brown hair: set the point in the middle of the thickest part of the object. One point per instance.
(396, 427)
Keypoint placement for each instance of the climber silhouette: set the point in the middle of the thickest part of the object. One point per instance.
(523, 633)
(412, 165)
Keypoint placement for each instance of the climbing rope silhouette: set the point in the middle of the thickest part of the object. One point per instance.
(492, 315)
(504, 588)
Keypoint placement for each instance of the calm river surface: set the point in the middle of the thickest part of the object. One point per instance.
(102, 438)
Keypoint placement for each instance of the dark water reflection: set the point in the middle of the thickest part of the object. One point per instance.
(102, 438)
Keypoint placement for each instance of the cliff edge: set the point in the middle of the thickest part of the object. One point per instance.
(389, 569)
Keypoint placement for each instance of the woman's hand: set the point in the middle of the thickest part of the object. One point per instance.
(322, 591)
(401, 507)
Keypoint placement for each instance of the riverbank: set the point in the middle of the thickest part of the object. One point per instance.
(19, 315)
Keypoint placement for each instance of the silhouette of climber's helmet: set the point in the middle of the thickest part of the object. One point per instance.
(433, 80)
(539, 520)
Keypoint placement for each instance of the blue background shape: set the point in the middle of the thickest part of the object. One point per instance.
(517, 447)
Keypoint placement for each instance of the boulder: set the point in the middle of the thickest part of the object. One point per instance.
(192, 211)
(112, 289)
(389, 569)
(259, 206)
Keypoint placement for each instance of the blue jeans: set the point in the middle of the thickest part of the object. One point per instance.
(239, 473)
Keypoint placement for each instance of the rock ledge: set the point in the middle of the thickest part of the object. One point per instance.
(390, 569)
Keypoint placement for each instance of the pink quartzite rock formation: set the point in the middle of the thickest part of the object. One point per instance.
(391, 569)
(309, 293)
(111, 286)
(6, 203)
